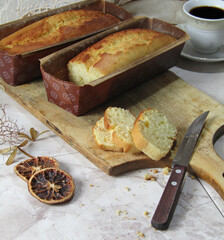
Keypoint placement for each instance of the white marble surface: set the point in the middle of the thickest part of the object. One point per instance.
(92, 213)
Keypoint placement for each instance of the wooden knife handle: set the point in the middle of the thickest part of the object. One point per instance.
(168, 202)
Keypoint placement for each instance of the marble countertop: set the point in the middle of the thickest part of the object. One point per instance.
(106, 207)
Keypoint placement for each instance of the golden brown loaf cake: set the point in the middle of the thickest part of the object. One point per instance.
(114, 52)
(57, 28)
(153, 134)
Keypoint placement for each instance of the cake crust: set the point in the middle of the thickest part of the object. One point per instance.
(57, 28)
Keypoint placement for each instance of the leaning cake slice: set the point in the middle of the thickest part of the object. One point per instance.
(153, 134)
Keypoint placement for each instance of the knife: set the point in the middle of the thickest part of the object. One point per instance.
(168, 202)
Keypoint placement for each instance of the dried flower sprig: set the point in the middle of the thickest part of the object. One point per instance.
(13, 135)
(9, 129)
(33, 134)
(33, 137)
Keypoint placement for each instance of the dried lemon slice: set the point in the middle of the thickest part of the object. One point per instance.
(51, 186)
(27, 168)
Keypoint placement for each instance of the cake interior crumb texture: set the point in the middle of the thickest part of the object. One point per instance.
(154, 134)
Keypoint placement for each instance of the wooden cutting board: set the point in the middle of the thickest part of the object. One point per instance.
(167, 92)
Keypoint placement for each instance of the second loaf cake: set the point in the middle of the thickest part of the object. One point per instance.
(57, 28)
(114, 52)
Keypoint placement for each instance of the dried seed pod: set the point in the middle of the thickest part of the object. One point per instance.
(27, 168)
(51, 186)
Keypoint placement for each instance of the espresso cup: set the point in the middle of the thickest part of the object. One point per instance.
(206, 31)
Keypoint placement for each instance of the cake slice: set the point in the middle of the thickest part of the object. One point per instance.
(103, 137)
(120, 122)
(153, 134)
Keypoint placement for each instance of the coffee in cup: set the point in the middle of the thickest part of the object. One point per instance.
(205, 24)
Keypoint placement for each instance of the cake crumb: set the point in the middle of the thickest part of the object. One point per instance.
(146, 213)
(149, 177)
(91, 185)
(140, 234)
(155, 171)
(166, 170)
(125, 212)
(127, 189)
(192, 177)
(118, 212)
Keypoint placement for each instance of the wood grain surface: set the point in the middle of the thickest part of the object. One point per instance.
(168, 93)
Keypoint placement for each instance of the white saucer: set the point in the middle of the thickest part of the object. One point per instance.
(190, 53)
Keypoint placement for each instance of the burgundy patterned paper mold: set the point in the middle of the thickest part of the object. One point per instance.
(80, 99)
(16, 70)
(22, 68)
(61, 93)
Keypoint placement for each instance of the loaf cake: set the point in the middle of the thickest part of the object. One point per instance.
(153, 134)
(57, 28)
(114, 52)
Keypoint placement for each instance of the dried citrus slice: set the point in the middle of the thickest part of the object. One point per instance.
(51, 186)
(27, 168)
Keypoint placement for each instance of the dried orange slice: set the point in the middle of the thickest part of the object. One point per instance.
(51, 186)
(27, 168)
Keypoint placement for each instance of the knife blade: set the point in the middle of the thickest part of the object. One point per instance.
(169, 199)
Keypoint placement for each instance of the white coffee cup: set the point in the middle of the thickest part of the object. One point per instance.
(207, 35)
